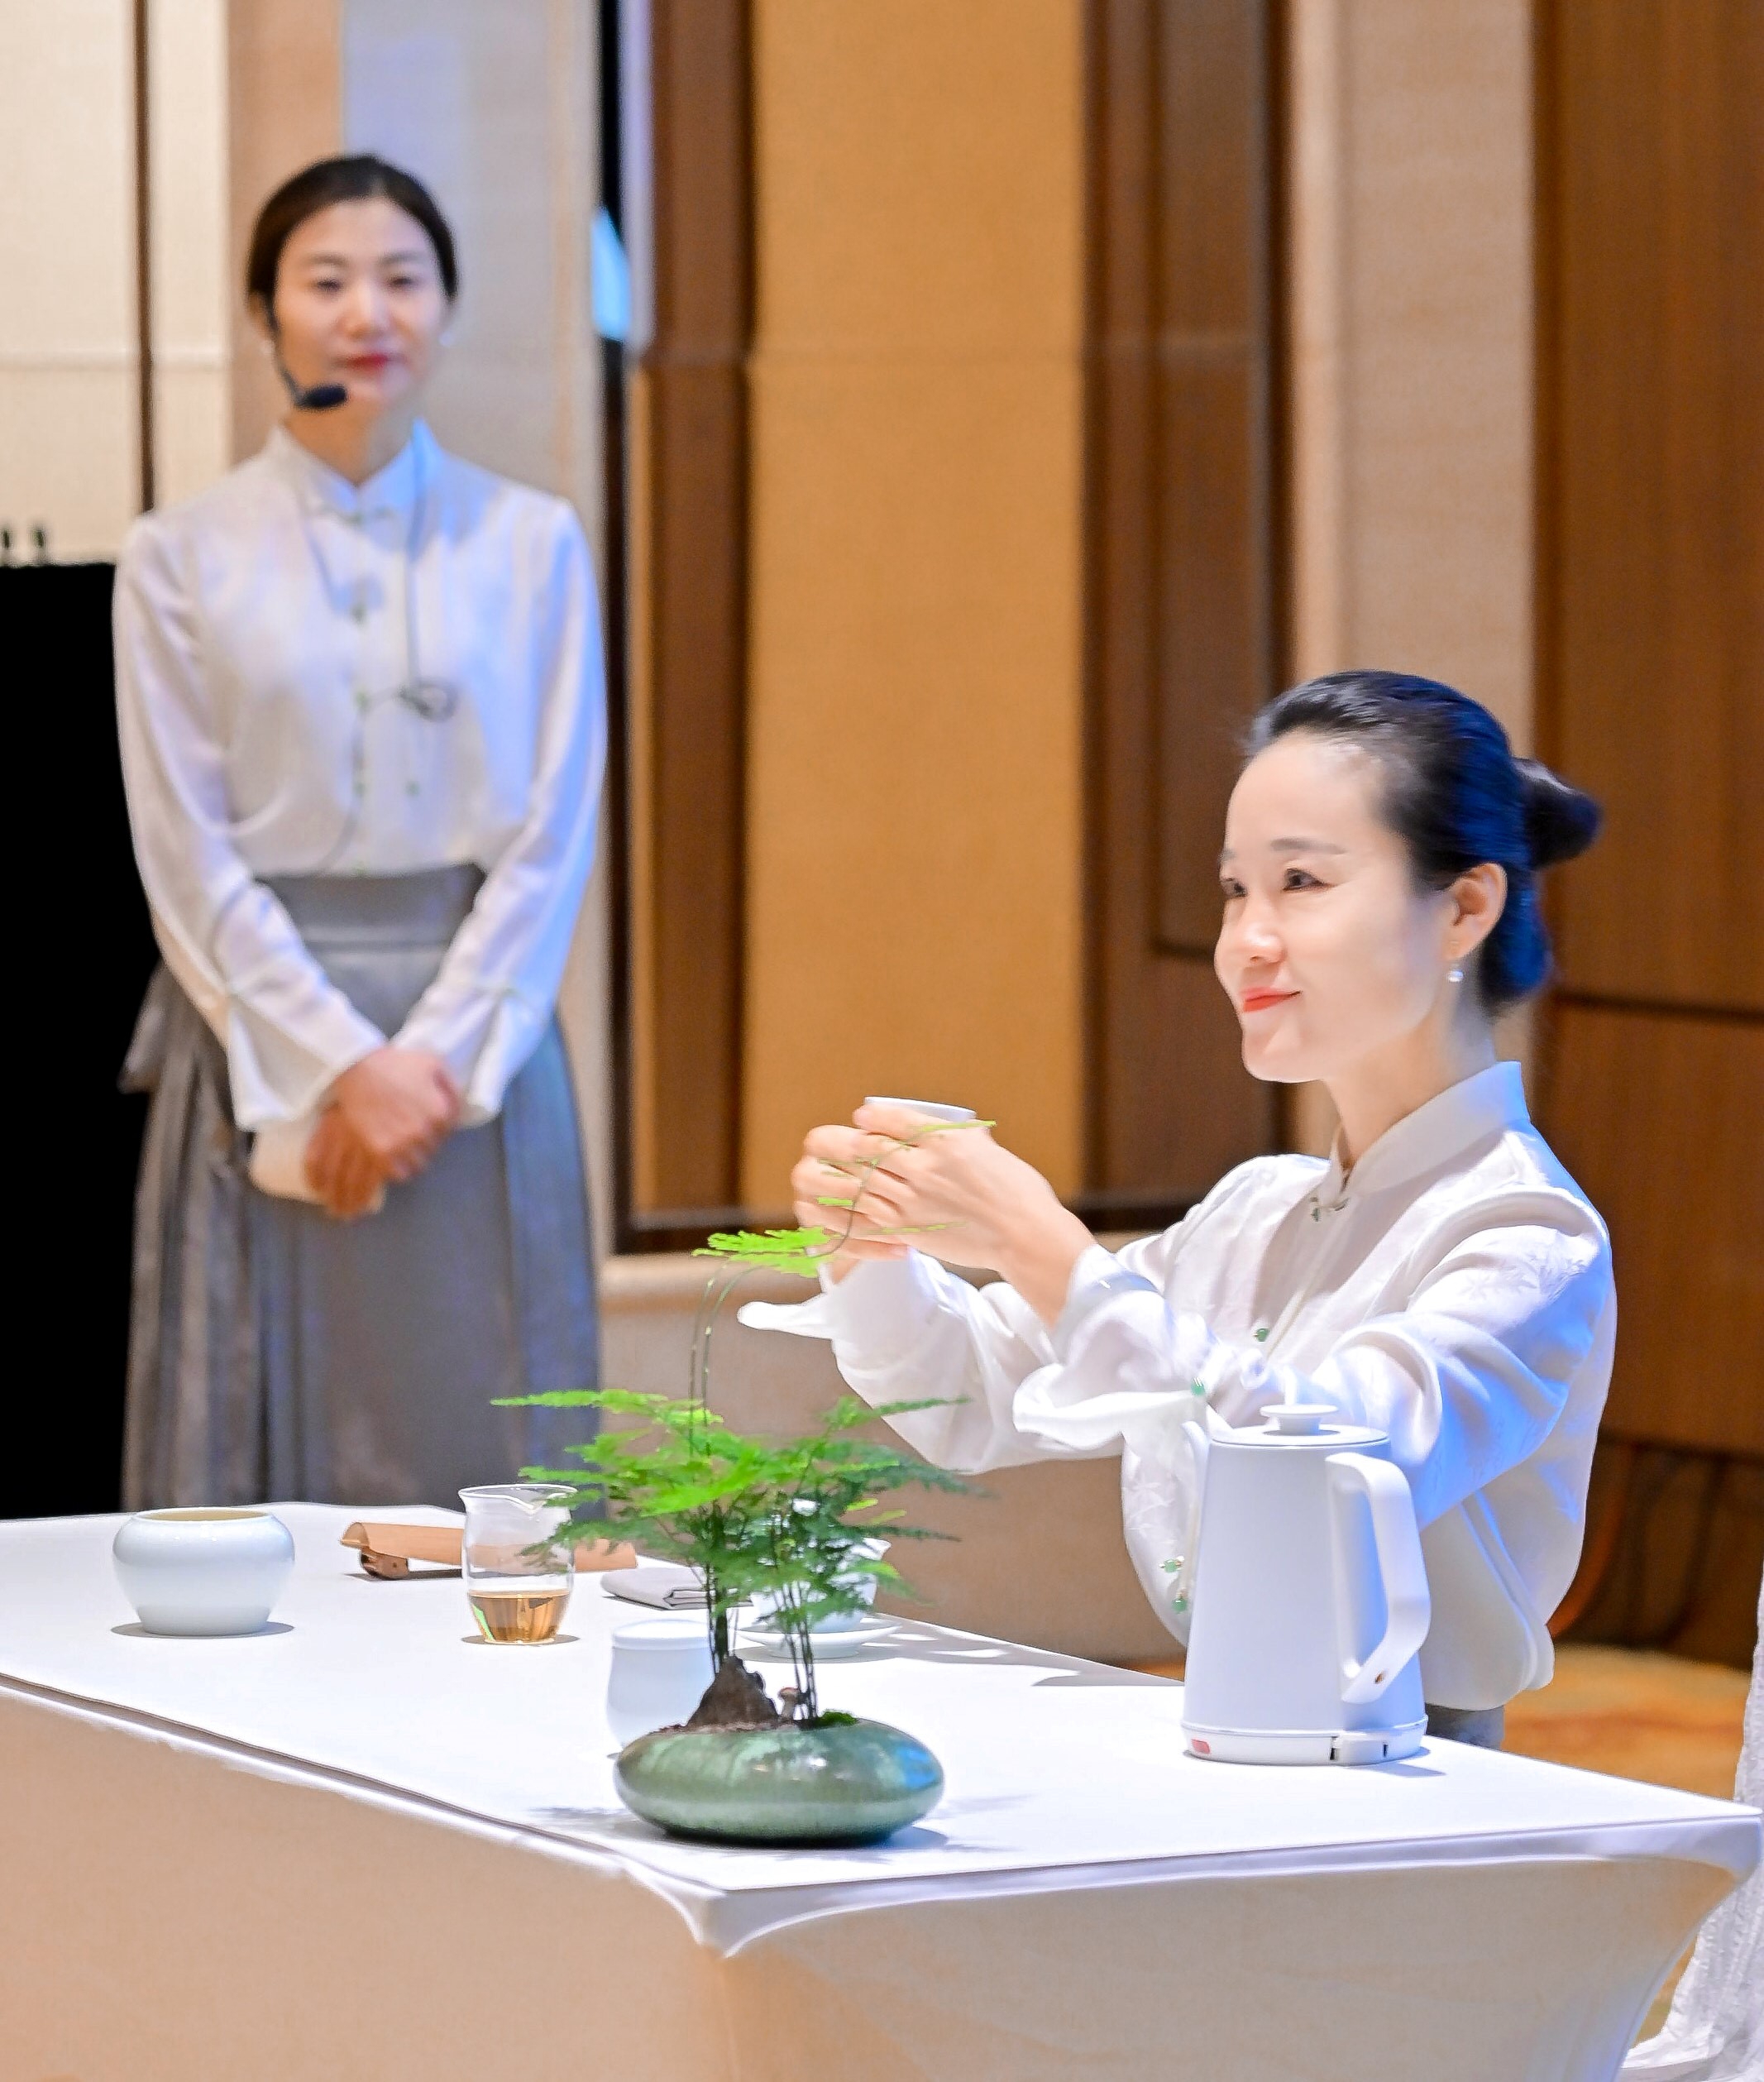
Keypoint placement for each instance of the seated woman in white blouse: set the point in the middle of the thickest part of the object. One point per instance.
(363, 728)
(1440, 1277)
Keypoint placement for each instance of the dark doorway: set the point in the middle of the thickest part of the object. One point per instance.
(87, 954)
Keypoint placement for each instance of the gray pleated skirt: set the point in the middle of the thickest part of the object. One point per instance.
(276, 1354)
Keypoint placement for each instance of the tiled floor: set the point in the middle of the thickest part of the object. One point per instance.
(1635, 1715)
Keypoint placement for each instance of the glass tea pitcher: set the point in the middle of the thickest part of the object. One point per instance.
(517, 1564)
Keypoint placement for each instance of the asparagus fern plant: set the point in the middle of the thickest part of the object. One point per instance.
(794, 1521)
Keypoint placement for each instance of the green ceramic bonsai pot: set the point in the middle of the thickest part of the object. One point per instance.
(834, 1781)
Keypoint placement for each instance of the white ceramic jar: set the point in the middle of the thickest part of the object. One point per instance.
(660, 1670)
(204, 1572)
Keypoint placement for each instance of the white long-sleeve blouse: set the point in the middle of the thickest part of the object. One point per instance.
(277, 719)
(1453, 1289)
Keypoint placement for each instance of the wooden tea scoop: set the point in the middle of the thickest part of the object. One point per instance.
(388, 1549)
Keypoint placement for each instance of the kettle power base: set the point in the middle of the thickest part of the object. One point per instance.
(1306, 1745)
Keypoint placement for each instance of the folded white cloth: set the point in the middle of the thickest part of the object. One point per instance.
(279, 1158)
(668, 1586)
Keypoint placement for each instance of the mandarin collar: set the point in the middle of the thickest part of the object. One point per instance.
(1443, 1127)
(393, 489)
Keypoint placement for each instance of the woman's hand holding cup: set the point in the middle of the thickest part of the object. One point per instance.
(947, 1190)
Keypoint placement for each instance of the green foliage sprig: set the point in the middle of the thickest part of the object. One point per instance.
(792, 1521)
(802, 1251)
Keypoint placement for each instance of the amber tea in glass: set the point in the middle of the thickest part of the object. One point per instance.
(517, 1615)
(519, 1568)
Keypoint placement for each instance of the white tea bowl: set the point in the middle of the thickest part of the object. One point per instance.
(660, 1670)
(763, 1607)
(203, 1570)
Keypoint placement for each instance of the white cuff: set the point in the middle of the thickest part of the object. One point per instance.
(273, 1077)
(485, 1050)
(882, 1309)
(1097, 1275)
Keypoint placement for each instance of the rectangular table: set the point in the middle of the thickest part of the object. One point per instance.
(365, 1843)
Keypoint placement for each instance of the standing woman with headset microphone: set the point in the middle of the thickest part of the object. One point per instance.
(363, 730)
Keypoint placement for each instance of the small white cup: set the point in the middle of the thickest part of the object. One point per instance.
(660, 1670)
(765, 1603)
(204, 1572)
(928, 1106)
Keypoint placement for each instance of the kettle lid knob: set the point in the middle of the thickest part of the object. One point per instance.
(1297, 1419)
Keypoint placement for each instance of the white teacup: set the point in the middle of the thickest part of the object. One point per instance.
(660, 1670)
(928, 1106)
(203, 1570)
(763, 1607)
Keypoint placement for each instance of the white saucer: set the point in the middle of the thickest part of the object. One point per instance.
(848, 1640)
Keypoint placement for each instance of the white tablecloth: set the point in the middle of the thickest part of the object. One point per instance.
(363, 1843)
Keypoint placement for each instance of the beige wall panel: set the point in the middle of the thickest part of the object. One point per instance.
(915, 752)
(283, 70)
(67, 204)
(919, 175)
(192, 425)
(68, 442)
(1411, 362)
(68, 438)
(193, 295)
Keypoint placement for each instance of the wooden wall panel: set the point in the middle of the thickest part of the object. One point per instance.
(1183, 563)
(1657, 1118)
(1651, 528)
(693, 617)
(914, 703)
(1212, 626)
(1654, 660)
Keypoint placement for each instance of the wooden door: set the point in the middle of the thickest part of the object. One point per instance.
(686, 521)
(1651, 157)
(1183, 528)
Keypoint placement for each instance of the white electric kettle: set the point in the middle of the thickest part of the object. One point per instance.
(1308, 1592)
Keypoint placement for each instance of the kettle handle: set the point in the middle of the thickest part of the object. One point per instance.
(1408, 1606)
(1198, 1446)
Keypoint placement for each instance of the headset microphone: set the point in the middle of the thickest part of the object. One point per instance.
(322, 397)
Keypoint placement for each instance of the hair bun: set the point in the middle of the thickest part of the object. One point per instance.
(1560, 820)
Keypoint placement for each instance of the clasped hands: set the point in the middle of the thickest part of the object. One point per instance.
(383, 1119)
(949, 1190)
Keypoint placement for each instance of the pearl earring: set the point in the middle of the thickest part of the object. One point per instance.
(1454, 975)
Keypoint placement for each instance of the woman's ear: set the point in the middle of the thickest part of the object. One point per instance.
(1478, 901)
